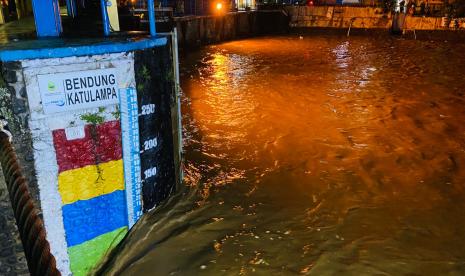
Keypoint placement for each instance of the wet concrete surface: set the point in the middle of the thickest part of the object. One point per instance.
(19, 29)
(12, 259)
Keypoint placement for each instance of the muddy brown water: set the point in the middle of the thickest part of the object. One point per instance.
(324, 155)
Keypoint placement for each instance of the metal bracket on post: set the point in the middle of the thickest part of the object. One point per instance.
(151, 11)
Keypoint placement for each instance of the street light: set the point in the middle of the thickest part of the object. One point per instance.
(218, 7)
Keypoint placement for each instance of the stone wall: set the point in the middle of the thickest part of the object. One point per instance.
(433, 23)
(363, 17)
(194, 31)
(14, 108)
(338, 17)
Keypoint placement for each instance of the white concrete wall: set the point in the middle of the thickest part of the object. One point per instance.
(42, 125)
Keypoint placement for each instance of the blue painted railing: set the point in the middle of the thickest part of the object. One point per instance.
(105, 18)
(151, 11)
(48, 20)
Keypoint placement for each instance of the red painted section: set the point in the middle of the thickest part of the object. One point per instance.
(78, 153)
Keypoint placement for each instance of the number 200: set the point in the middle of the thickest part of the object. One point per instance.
(150, 144)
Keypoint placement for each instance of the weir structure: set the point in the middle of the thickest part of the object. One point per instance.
(95, 136)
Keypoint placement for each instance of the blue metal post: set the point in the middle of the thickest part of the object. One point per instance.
(105, 19)
(47, 17)
(71, 7)
(151, 11)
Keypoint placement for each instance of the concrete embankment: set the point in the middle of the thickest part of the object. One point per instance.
(194, 31)
(364, 17)
(338, 17)
(370, 20)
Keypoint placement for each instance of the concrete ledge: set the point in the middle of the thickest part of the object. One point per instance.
(59, 48)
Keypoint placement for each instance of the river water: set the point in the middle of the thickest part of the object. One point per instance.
(315, 155)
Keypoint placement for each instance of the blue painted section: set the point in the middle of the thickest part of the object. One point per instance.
(151, 11)
(105, 19)
(81, 50)
(71, 7)
(47, 17)
(131, 152)
(87, 219)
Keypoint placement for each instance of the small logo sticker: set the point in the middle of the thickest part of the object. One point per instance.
(51, 86)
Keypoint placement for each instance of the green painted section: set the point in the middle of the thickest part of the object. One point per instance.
(85, 256)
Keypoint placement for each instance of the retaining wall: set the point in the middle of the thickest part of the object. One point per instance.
(433, 23)
(338, 17)
(194, 31)
(363, 17)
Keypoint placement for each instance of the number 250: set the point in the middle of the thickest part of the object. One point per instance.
(148, 109)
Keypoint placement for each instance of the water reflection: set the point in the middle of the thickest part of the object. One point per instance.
(321, 156)
(342, 55)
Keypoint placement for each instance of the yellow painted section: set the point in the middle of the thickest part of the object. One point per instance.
(2, 18)
(113, 14)
(91, 181)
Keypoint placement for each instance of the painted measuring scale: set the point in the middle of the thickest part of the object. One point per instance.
(131, 153)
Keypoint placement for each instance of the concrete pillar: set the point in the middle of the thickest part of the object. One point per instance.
(97, 130)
